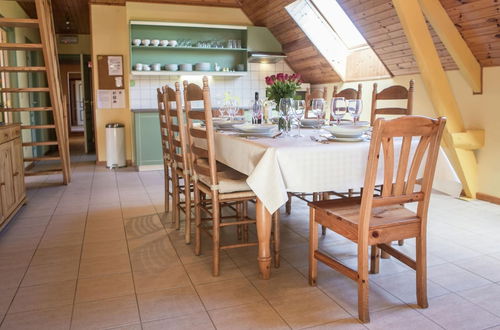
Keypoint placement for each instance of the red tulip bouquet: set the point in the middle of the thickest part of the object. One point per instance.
(282, 85)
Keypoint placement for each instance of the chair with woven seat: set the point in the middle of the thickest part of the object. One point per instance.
(179, 156)
(392, 93)
(317, 93)
(377, 220)
(165, 146)
(216, 185)
(348, 93)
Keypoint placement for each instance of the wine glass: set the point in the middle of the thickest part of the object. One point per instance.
(285, 110)
(232, 108)
(318, 109)
(221, 106)
(355, 107)
(298, 113)
(338, 108)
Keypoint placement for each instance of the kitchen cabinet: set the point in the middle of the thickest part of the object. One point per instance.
(12, 188)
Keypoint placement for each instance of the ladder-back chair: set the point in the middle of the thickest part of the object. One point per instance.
(348, 93)
(377, 220)
(165, 147)
(392, 93)
(317, 93)
(216, 185)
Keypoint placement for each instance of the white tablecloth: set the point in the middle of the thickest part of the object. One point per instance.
(277, 166)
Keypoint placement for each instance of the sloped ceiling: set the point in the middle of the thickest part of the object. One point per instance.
(477, 20)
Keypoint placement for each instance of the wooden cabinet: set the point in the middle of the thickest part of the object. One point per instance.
(12, 188)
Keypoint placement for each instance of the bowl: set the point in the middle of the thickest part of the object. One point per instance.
(347, 130)
(164, 43)
(155, 42)
(136, 42)
(145, 42)
(203, 66)
(186, 67)
(171, 67)
(255, 128)
(172, 43)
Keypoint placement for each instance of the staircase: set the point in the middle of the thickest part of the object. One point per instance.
(57, 162)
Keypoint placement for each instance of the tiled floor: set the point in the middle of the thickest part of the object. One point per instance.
(100, 253)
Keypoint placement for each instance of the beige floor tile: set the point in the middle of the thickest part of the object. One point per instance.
(201, 272)
(400, 318)
(169, 303)
(104, 249)
(107, 313)
(44, 296)
(61, 240)
(53, 319)
(103, 287)
(13, 259)
(6, 297)
(487, 297)
(253, 316)
(161, 279)
(454, 312)
(104, 235)
(455, 278)
(106, 265)
(63, 254)
(484, 266)
(136, 326)
(342, 324)
(308, 309)
(51, 273)
(199, 320)
(228, 293)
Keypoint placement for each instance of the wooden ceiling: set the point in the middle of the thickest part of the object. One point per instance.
(477, 20)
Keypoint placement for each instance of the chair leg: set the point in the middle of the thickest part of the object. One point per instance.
(245, 217)
(374, 260)
(187, 199)
(175, 201)
(167, 188)
(197, 220)
(276, 246)
(363, 287)
(401, 242)
(313, 246)
(216, 235)
(421, 272)
(288, 205)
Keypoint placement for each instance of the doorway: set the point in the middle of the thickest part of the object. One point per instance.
(75, 103)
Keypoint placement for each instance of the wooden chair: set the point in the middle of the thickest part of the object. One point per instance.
(165, 146)
(377, 220)
(179, 156)
(348, 93)
(392, 93)
(314, 94)
(216, 185)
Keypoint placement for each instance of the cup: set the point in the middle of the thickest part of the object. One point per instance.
(157, 67)
(138, 67)
(136, 42)
(146, 67)
(164, 43)
(146, 42)
(172, 43)
(155, 42)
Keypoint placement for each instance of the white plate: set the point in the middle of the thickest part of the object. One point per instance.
(346, 139)
(346, 131)
(311, 122)
(255, 128)
(226, 124)
(259, 134)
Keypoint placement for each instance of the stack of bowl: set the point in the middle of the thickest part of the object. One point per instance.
(203, 66)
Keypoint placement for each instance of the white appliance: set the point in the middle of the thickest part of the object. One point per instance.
(115, 145)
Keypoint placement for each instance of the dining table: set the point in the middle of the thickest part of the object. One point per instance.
(278, 165)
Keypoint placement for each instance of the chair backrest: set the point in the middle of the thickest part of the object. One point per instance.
(348, 93)
(401, 171)
(201, 140)
(392, 93)
(165, 146)
(175, 125)
(317, 93)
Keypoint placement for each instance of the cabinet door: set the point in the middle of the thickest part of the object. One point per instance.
(6, 180)
(18, 169)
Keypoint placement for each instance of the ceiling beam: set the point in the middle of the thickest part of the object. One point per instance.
(457, 47)
(439, 90)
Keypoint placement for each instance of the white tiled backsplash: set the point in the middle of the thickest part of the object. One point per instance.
(143, 93)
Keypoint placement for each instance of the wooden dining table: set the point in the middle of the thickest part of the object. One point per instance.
(276, 166)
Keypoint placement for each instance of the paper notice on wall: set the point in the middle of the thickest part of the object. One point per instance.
(110, 99)
(115, 67)
(104, 99)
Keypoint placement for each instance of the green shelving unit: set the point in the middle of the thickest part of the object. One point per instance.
(224, 57)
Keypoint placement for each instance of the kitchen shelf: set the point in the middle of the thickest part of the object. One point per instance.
(189, 73)
(189, 48)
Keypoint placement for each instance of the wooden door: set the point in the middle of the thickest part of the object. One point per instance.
(18, 170)
(6, 180)
(87, 104)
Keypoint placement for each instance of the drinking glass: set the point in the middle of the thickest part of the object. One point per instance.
(221, 106)
(298, 112)
(338, 108)
(318, 109)
(285, 110)
(232, 108)
(355, 107)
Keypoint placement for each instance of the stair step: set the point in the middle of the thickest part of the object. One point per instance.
(16, 46)
(24, 90)
(22, 68)
(32, 159)
(37, 126)
(40, 143)
(47, 172)
(25, 109)
(19, 22)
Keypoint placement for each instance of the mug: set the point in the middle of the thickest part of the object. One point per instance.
(172, 43)
(164, 43)
(146, 42)
(146, 67)
(155, 42)
(138, 67)
(157, 67)
(136, 42)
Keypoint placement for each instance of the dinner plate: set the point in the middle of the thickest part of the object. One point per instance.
(255, 128)
(346, 131)
(258, 134)
(226, 124)
(346, 139)
(311, 122)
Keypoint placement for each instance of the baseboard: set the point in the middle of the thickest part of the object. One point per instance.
(142, 168)
(103, 162)
(488, 198)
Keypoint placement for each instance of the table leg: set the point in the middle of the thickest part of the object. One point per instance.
(264, 221)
